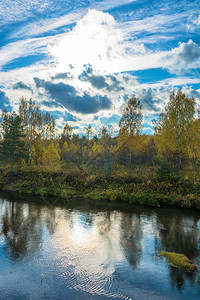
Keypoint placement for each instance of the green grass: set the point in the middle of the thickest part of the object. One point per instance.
(120, 195)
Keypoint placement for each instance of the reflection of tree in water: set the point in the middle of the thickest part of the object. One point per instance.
(104, 223)
(178, 233)
(49, 217)
(131, 236)
(22, 229)
(86, 219)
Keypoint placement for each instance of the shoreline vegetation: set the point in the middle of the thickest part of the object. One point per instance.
(152, 170)
(134, 189)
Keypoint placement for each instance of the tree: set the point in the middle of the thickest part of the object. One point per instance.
(12, 146)
(89, 132)
(37, 150)
(130, 123)
(193, 143)
(31, 118)
(171, 132)
(66, 135)
(51, 157)
(48, 128)
(105, 143)
(70, 153)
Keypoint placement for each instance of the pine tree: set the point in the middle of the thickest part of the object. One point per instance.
(12, 146)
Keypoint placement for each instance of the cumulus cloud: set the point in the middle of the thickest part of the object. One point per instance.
(72, 99)
(4, 102)
(183, 58)
(21, 86)
(194, 93)
(95, 40)
(66, 116)
(190, 92)
(65, 75)
(108, 82)
(85, 76)
(99, 41)
(148, 99)
(52, 104)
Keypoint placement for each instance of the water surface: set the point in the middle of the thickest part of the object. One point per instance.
(87, 251)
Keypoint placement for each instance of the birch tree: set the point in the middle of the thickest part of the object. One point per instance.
(171, 132)
(130, 123)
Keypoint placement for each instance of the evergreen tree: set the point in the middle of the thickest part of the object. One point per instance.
(12, 145)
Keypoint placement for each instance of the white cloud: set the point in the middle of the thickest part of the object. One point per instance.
(157, 23)
(95, 40)
(10, 10)
(98, 40)
(24, 48)
(178, 81)
(193, 21)
(45, 25)
(183, 58)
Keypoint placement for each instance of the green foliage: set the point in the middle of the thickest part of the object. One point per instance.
(179, 260)
(173, 131)
(128, 167)
(143, 199)
(120, 195)
(163, 172)
(188, 200)
(131, 120)
(12, 146)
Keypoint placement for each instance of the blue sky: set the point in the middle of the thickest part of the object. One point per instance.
(83, 60)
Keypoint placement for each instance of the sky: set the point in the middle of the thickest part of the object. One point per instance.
(83, 60)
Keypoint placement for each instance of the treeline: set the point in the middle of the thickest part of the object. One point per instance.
(30, 139)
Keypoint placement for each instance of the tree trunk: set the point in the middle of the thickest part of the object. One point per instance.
(177, 162)
(29, 150)
(109, 158)
(130, 157)
(195, 164)
(178, 158)
(12, 163)
(88, 145)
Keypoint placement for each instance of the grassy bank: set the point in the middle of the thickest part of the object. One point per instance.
(175, 190)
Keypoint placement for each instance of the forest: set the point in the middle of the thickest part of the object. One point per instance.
(154, 170)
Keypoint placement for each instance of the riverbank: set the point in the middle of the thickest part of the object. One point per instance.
(140, 190)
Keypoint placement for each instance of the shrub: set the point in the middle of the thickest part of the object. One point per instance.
(143, 199)
(163, 172)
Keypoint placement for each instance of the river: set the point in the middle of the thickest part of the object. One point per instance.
(83, 250)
